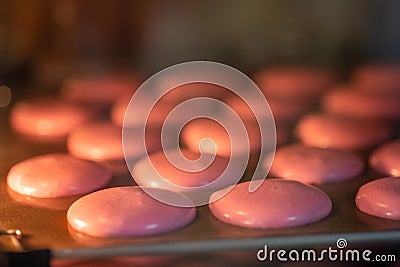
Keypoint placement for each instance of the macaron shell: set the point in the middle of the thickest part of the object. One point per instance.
(47, 118)
(386, 158)
(103, 142)
(294, 82)
(57, 175)
(153, 170)
(360, 104)
(97, 89)
(315, 165)
(381, 78)
(126, 211)
(275, 204)
(335, 132)
(197, 130)
(380, 198)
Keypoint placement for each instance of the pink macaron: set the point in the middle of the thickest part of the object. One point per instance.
(313, 165)
(380, 198)
(299, 83)
(327, 131)
(352, 103)
(386, 158)
(103, 142)
(126, 212)
(199, 130)
(284, 111)
(188, 171)
(380, 78)
(47, 118)
(57, 175)
(100, 89)
(275, 204)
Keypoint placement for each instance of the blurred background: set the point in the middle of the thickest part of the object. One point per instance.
(43, 41)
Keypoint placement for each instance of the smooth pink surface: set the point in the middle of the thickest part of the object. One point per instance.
(386, 158)
(315, 165)
(149, 172)
(333, 132)
(378, 77)
(294, 82)
(57, 175)
(276, 204)
(103, 141)
(380, 198)
(98, 89)
(126, 211)
(353, 103)
(47, 118)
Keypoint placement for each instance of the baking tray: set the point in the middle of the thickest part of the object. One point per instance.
(45, 226)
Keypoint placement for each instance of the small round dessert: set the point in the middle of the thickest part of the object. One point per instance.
(386, 158)
(127, 211)
(275, 204)
(47, 118)
(353, 103)
(159, 112)
(190, 172)
(380, 198)
(103, 142)
(57, 175)
(314, 165)
(98, 89)
(201, 129)
(284, 111)
(334, 132)
(381, 78)
(294, 82)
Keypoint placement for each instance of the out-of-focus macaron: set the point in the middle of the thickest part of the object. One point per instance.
(47, 118)
(98, 89)
(380, 78)
(300, 83)
(313, 165)
(352, 103)
(327, 131)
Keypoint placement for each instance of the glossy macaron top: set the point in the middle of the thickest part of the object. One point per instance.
(275, 204)
(57, 175)
(127, 211)
(380, 198)
(386, 158)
